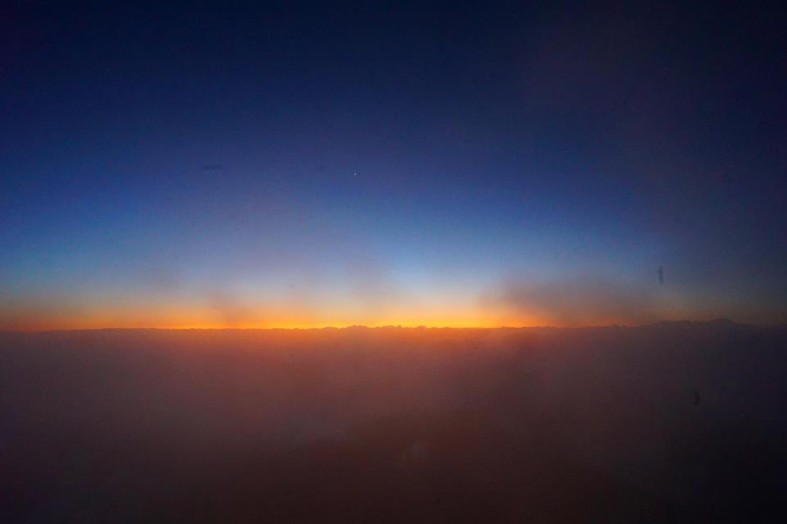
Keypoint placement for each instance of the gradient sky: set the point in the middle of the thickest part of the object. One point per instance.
(275, 164)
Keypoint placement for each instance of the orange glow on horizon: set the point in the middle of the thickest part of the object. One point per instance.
(173, 319)
(88, 325)
(138, 316)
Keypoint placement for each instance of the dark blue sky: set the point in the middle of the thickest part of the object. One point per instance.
(261, 164)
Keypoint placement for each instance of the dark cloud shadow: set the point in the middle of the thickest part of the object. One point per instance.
(582, 300)
(231, 310)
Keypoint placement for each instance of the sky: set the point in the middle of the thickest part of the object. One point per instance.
(263, 164)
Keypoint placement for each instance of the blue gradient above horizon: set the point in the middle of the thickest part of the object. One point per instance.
(347, 181)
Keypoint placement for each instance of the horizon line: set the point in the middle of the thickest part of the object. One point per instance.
(725, 321)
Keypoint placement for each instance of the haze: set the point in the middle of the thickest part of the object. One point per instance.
(665, 423)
